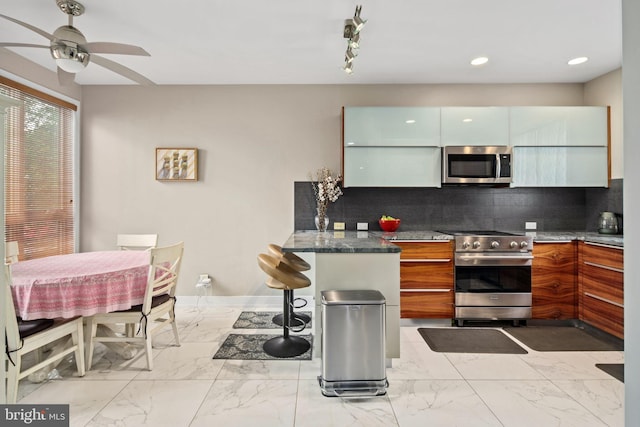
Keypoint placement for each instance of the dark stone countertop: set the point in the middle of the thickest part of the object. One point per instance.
(338, 242)
(551, 236)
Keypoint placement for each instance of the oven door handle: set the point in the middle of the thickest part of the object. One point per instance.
(496, 257)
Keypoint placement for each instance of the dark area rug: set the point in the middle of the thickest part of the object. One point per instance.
(562, 338)
(616, 370)
(261, 320)
(249, 347)
(469, 340)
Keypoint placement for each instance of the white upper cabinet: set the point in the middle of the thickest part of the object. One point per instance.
(474, 126)
(392, 126)
(559, 126)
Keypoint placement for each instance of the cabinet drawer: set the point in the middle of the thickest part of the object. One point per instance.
(434, 305)
(438, 251)
(602, 315)
(603, 283)
(426, 275)
(606, 256)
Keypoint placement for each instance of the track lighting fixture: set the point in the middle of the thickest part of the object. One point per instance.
(351, 32)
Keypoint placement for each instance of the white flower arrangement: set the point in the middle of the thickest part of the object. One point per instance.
(326, 189)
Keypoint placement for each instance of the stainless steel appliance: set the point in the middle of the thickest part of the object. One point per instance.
(353, 343)
(607, 223)
(477, 165)
(492, 275)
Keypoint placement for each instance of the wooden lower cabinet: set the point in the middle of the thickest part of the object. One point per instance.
(553, 280)
(426, 279)
(601, 287)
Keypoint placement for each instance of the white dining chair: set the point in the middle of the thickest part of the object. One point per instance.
(136, 241)
(25, 336)
(159, 301)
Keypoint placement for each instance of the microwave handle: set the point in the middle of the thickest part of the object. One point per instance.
(497, 166)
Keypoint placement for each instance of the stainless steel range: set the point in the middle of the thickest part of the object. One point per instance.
(492, 276)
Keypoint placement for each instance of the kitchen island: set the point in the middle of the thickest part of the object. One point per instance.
(346, 260)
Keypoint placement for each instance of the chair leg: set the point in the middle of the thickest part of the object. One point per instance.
(78, 340)
(148, 348)
(13, 375)
(174, 326)
(92, 328)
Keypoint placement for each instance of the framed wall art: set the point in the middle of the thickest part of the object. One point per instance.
(176, 164)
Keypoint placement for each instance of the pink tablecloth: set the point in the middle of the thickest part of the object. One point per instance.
(79, 284)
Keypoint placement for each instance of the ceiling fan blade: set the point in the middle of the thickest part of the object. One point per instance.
(23, 45)
(116, 48)
(65, 78)
(29, 26)
(121, 69)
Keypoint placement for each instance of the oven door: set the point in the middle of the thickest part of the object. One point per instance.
(493, 273)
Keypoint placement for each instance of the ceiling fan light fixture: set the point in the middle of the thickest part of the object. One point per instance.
(71, 59)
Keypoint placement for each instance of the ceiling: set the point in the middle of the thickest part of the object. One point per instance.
(301, 41)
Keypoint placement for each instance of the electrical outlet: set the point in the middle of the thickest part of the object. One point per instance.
(530, 225)
(363, 226)
(204, 281)
(338, 225)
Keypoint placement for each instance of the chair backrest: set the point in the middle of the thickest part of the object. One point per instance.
(130, 242)
(11, 252)
(164, 271)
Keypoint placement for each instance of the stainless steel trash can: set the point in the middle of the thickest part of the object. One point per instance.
(353, 343)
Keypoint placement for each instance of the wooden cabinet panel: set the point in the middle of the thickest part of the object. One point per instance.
(553, 281)
(601, 287)
(426, 272)
(433, 305)
(426, 275)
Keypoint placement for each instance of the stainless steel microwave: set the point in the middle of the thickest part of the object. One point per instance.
(476, 165)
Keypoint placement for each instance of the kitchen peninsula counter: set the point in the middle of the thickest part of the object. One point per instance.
(350, 260)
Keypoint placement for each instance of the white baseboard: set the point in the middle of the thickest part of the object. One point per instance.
(236, 301)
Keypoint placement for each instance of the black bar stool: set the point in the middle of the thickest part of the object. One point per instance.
(286, 279)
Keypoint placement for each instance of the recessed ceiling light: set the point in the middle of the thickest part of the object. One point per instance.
(410, 121)
(481, 60)
(467, 120)
(579, 60)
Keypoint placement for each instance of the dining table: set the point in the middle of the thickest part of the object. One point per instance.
(80, 284)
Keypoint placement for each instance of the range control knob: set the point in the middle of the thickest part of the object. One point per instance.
(523, 245)
(465, 245)
(513, 245)
(476, 245)
(495, 244)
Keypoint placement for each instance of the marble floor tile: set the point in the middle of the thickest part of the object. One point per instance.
(444, 403)
(493, 366)
(190, 361)
(314, 409)
(570, 365)
(603, 398)
(533, 404)
(86, 398)
(249, 403)
(418, 361)
(260, 370)
(154, 403)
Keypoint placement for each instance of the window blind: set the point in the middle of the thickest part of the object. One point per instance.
(38, 182)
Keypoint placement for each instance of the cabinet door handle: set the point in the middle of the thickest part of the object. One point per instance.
(608, 301)
(606, 267)
(426, 260)
(602, 245)
(426, 290)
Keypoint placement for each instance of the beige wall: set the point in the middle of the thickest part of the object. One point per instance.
(254, 142)
(607, 90)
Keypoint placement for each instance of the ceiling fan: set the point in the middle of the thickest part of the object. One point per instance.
(72, 53)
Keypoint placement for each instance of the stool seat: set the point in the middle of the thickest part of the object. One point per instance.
(292, 260)
(282, 272)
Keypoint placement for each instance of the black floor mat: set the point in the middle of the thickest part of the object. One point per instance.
(469, 340)
(262, 320)
(561, 338)
(616, 370)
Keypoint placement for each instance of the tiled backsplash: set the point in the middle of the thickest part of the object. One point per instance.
(470, 208)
